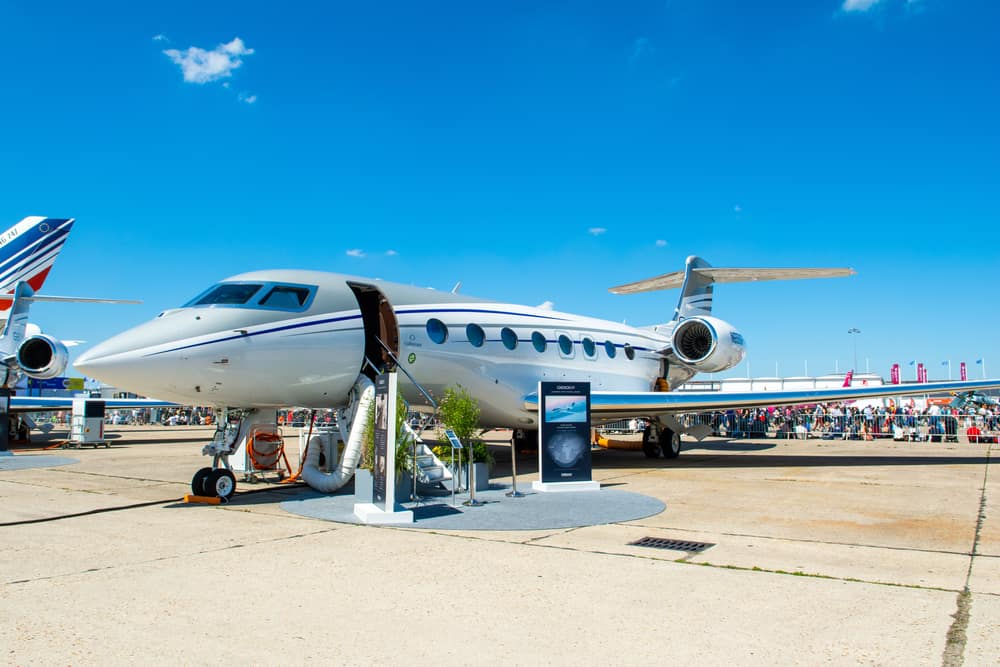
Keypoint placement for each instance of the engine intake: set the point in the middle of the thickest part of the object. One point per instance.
(707, 344)
(42, 357)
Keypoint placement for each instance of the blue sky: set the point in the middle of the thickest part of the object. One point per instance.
(534, 151)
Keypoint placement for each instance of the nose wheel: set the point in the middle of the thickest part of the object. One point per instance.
(214, 483)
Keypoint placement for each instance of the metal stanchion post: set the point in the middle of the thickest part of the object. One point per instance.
(454, 476)
(513, 493)
(471, 479)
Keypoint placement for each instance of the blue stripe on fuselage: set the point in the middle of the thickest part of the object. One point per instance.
(301, 325)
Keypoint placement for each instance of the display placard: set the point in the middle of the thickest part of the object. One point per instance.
(380, 473)
(453, 439)
(564, 418)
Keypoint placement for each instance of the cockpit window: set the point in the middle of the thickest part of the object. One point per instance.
(230, 294)
(263, 296)
(285, 296)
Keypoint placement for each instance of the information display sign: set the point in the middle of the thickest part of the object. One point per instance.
(385, 423)
(564, 416)
(383, 509)
(453, 439)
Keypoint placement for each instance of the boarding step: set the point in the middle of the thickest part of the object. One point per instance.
(430, 469)
(433, 474)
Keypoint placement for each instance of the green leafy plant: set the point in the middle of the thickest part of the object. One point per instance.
(459, 412)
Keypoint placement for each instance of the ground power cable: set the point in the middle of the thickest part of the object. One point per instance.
(150, 503)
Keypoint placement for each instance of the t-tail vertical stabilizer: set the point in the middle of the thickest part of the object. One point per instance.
(699, 341)
(28, 250)
(698, 277)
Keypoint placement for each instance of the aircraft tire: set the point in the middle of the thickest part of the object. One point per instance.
(198, 482)
(221, 483)
(650, 443)
(670, 443)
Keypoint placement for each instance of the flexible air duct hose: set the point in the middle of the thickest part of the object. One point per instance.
(328, 482)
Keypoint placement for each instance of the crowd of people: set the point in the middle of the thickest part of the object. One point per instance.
(837, 420)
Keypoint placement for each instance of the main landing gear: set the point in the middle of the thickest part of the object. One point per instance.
(657, 438)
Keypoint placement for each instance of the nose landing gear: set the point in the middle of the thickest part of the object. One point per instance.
(214, 483)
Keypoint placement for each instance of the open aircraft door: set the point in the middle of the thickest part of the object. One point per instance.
(380, 324)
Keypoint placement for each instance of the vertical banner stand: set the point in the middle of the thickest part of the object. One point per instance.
(564, 438)
(383, 508)
(513, 493)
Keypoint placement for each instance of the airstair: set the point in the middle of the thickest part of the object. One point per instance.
(428, 469)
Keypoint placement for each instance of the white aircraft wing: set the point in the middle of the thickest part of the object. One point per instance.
(54, 403)
(615, 405)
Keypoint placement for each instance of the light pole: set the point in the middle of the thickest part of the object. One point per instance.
(853, 331)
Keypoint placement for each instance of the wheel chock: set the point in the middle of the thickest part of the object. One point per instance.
(205, 500)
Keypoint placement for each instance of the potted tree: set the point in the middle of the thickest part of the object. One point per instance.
(459, 412)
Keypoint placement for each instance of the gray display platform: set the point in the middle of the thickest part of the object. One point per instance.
(22, 462)
(535, 511)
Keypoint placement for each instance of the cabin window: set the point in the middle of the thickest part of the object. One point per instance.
(227, 294)
(475, 334)
(589, 348)
(538, 340)
(437, 331)
(509, 338)
(565, 345)
(609, 349)
(286, 297)
(629, 352)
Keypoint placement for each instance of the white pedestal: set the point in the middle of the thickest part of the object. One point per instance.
(370, 513)
(555, 487)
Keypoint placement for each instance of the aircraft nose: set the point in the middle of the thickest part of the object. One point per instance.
(117, 363)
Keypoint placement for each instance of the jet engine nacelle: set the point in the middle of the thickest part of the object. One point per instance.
(42, 357)
(707, 344)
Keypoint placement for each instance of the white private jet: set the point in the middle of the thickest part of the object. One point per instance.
(272, 339)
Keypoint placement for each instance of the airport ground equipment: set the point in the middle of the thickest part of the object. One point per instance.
(87, 423)
(260, 451)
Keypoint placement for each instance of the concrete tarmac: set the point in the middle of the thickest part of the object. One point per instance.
(824, 552)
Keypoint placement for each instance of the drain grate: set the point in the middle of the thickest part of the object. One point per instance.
(675, 545)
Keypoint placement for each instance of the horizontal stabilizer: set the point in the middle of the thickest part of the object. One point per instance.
(6, 298)
(723, 275)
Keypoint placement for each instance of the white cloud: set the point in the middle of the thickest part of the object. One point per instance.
(660, 243)
(160, 38)
(597, 231)
(391, 253)
(356, 252)
(737, 209)
(641, 47)
(201, 66)
(247, 99)
(546, 305)
(859, 5)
